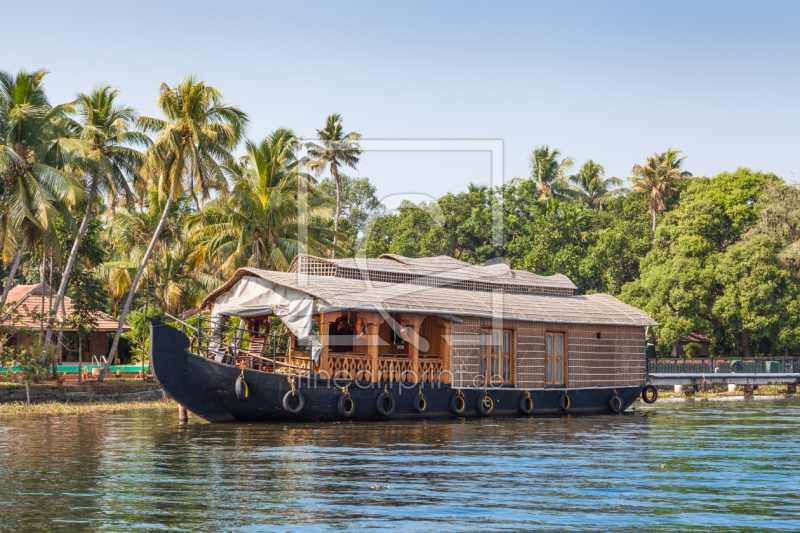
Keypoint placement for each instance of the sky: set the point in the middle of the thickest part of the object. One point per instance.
(608, 81)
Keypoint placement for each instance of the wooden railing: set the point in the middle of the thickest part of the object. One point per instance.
(350, 366)
(390, 368)
(724, 365)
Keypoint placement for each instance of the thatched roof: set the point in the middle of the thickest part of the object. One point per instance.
(441, 271)
(358, 294)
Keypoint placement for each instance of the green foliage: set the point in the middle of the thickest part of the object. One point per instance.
(259, 224)
(716, 350)
(139, 334)
(359, 200)
(692, 349)
(758, 295)
(701, 276)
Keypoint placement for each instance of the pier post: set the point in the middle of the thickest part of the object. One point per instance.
(791, 388)
(748, 390)
(732, 387)
(183, 413)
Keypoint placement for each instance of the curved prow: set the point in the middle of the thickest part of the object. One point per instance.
(169, 359)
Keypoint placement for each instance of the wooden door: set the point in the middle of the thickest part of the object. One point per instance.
(554, 358)
(497, 356)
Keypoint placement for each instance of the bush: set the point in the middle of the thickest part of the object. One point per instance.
(716, 350)
(692, 349)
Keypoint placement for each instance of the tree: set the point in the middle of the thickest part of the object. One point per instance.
(592, 188)
(266, 220)
(658, 178)
(336, 148)
(359, 200)
(688, 273)
(779, 219)
(199, 131)
(549, 174)
(758, 297)
(554, 241)
(105, 126)
(33, 156)
(175, 282)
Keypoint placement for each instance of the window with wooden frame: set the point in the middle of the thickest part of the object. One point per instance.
(554, 358)
(497, 356)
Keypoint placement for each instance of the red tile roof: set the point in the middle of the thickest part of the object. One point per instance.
(27, 301)
(697, 336)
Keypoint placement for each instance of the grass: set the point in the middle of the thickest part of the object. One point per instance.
(72, 382)
(721, 392)
(61, 408)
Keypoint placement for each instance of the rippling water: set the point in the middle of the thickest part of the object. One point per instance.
(710, 466)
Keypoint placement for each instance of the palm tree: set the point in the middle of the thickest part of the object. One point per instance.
(657, 178)
(337, 148)
(168, 270)
(593, 189)
(264, 222)
(105, 126)
(550, 174)
(197, 135)
(33, 157)
(274, 160)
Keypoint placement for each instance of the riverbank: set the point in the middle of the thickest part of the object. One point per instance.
(69, 408)
(119, 392)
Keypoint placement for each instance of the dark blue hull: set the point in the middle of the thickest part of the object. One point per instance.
(208, 389)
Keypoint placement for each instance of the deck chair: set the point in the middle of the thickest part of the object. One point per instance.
(256, 348)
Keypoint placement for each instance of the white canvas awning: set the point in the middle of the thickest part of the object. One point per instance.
(253, 296)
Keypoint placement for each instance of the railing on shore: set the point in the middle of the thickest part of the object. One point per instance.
(724, 365)
(225, 343)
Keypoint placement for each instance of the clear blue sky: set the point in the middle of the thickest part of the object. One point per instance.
(611, 81)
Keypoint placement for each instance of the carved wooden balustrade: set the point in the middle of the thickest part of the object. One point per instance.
(390, 368)
(350, 366)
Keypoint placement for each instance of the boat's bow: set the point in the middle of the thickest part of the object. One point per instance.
(169, 359)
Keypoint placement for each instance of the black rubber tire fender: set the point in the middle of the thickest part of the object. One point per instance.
(564, 401)
(420, 404)
(241, 389)
(301, 401)
(346, 405)
(379, 403)
(649, 394)
(457, 403)
(615, 403)
(525, 404)
(483, 406)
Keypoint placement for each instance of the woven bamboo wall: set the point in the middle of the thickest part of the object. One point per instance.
(616, 359)
(530, 355)
(466, 352)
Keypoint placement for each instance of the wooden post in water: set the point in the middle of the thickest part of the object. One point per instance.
(183, 413)
(28, 392)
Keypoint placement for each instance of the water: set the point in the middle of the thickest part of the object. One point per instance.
(727, 466)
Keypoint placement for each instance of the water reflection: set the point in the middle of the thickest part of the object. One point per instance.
(730, 465)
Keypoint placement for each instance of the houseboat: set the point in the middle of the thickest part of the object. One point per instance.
(401, 338)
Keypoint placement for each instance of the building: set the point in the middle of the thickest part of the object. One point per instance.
(26, 308)
(698, 337)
